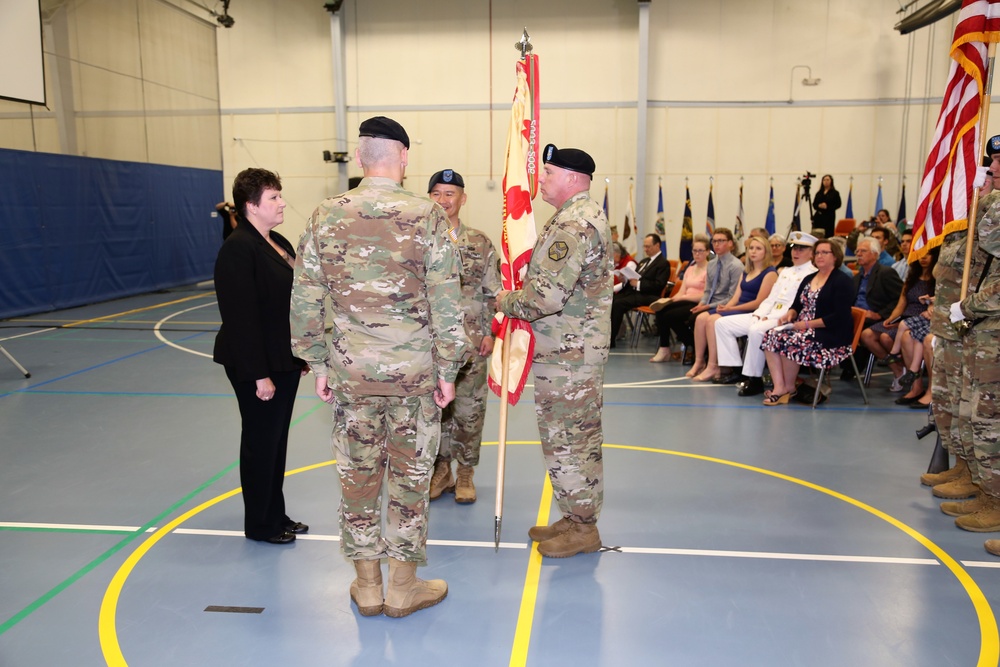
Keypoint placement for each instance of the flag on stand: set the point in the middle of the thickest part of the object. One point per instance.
(606, 200)
(849, 213)
(661, 227)
(687, 229)
(901, 215)
(630, 236)
(520, 184)
(796, 225)
(878, 200)
(769, 220)
(738, 227)
(946, 186)
(710, 218)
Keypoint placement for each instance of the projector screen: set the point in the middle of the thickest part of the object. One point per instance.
(22, 73)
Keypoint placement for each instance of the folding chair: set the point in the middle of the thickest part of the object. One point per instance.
(858, 315)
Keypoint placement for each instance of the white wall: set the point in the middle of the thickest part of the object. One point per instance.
(721, 74)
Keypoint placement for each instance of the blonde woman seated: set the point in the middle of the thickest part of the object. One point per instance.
(820, 327)
(758, 279)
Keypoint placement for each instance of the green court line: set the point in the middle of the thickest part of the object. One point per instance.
(131, 536)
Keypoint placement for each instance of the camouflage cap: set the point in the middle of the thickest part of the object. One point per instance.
(569, 158)
(446, 176)
(381, 127)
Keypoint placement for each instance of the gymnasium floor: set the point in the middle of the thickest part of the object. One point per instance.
(734, 533)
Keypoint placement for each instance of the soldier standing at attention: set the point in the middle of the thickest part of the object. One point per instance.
(384, 259)
(567, 298)
(462, 421)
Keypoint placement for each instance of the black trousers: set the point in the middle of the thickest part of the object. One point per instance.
(263, 446)
(675, 318)
(621, 304)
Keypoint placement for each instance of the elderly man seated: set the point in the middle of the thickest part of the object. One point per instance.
(654, 273)
(754, 325)
(877, 288)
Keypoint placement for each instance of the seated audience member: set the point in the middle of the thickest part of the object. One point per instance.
(902, 266)
(724, 275)
(672, 313)
(821, 328)
(755, 325)
(882, 338)
(780, 257)
(654, 273)
(884, 236)
(877, 287)
(622, 260)
(758, 279)
(865, 227)
(740, 253)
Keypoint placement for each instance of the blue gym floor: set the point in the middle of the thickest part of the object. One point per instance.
(733, 533)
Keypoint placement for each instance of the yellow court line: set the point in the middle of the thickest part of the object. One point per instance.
(989, 651)
(139, 310)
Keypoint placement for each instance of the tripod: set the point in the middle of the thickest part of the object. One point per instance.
(12, 360)
(806, 183)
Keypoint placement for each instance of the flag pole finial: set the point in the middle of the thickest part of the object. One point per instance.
(524, 44)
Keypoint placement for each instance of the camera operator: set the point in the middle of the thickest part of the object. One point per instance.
(865, 227)
(825, 205)
(227, 212)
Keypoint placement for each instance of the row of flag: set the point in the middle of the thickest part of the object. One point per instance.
(628, 235)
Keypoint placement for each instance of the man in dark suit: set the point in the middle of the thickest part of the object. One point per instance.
(654, 272)
(876, 285)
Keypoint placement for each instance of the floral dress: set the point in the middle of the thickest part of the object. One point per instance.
(912, 311)
(801, 345)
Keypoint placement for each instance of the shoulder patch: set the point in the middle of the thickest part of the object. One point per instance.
(558, 251)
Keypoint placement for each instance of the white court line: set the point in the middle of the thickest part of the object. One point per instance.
(760, 555)
(156, 329)
(30, 333)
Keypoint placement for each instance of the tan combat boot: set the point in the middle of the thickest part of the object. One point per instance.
(986, 520)
(580, 538)
(465, 490)
(366, 590)
(963, 507)
(542, 533)
(993, 546)
(933, 479)
(442, 481)
(407, 594)
(958, 488)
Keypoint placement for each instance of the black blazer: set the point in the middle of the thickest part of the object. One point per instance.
(884, 287)
(655, 275)
(826, 218)
(833, 306)
(254, 286)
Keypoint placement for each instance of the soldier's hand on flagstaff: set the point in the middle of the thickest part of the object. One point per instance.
(500, 295)
(979, 182)
(955, 313)
(444, 394)
(265, 389)
(486, 347)
(323, 389)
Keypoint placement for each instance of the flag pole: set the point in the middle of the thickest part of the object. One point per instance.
(984, 116)
(502, 440)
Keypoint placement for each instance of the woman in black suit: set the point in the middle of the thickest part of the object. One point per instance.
(253, 282)
(825, 205)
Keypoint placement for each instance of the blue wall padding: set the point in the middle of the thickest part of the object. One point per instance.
(76, 230)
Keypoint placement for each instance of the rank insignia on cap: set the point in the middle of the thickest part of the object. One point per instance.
(558, 251)
(447, 175)
(549, 150)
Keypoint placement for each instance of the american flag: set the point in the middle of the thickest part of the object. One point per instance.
(946, 187)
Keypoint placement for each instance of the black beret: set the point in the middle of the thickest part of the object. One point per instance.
(446, 176)
(381, 127)
(993, 146)
(569, 158)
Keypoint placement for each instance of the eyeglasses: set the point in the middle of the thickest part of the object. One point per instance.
(699, 249)
(823, 252)
(714, 241)
(777, 245)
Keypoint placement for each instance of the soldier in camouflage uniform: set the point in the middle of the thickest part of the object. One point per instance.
(384, 259)
(462, 421)
(948, 388)
(567, 298)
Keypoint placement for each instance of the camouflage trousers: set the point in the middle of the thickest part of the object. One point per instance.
(568, 404)
(981, 406)
(390, 439)
(946, 390)
(462, 421)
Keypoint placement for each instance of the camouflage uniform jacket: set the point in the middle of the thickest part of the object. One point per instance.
(480, 282)
(568, 287)
(384, 258)
(982, 305)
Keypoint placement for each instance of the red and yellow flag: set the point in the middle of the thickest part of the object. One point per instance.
(520, 184)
